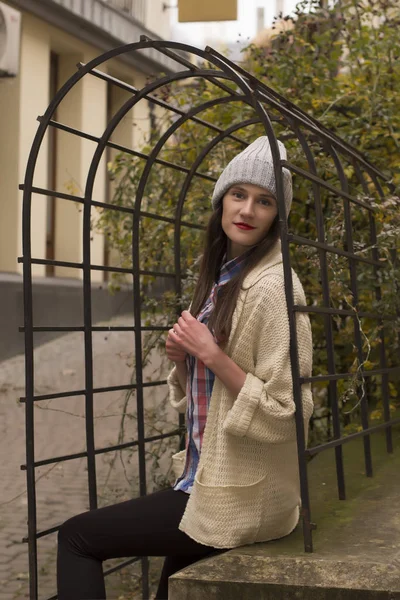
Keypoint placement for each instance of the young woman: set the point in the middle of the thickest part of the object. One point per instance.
(238, 476)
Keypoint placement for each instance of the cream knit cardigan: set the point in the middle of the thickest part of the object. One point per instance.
(246, 487)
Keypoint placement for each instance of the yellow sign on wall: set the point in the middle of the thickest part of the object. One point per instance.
(207, 10)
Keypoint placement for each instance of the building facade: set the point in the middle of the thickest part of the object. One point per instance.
(56, 35)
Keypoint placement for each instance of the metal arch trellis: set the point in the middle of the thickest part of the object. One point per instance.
(241, 87)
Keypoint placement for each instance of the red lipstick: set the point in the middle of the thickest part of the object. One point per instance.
(244, 226)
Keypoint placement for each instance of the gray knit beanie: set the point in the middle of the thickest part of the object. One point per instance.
(254, 165)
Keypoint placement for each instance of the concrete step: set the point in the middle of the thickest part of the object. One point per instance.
(356, 545)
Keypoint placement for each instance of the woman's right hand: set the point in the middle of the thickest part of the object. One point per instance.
(174, 351)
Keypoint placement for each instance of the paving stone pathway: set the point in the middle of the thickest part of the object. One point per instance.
(60, 430)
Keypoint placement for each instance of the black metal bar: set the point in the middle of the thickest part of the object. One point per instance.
(130, 88)
(68, 129)
(297, 239)
(130, 151)
(161, 45)
(54, 329)
(193, 68)
(293, 111)
(311, 177)
(245, 88)
(72, 265)
(319, 131)
(105, 205)
(342, 311)
(145, 328)
(135, 260)
(22, 399)
(42, 533)
(29, 372)
(124, 446)
(301, 442)
(45, 192)
(60, 263)
(369, 373)
(57, 263)
(267, 94)
(363, 400)
(393, 251)
(170, 220)
(332, 390)
(28, 297)
(178, 218)
(309, 451)
(103, 328)
(114, 388)
(365, 433)
(135, 245)
(185, 187)
(177, 57)
(135, 265)
(378, 186)
(378, 296)
(88, 346)
(51, 461)
(294, 358)
(154, 154)
(153, 438)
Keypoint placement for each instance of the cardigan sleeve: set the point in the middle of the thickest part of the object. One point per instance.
(177, 396)
(264, 408)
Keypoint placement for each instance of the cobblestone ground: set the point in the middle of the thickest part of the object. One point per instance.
(60, 430)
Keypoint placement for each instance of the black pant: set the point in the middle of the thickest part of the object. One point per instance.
(146, 526)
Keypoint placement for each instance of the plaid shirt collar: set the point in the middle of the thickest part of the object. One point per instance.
(228, 270)
(231, 267)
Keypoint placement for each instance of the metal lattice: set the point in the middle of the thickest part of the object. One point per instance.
(268, 108)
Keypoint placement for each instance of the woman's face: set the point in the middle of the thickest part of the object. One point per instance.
(250, 205)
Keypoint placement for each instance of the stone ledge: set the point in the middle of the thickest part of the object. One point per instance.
(234, 576)
(356, 546)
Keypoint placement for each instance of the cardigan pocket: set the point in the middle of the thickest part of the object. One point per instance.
(227, 515)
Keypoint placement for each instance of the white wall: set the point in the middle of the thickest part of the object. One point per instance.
(85, 108)
(9, 173)
(19, 107)
(157, 19)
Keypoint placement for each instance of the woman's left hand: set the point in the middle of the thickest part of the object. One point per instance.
(193, 336)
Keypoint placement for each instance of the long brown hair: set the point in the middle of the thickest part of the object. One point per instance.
(215, 247)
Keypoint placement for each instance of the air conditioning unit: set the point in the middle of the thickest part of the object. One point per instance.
(10, 27)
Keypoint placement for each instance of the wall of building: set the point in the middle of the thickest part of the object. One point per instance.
(25, 97)
(157, 18)
(63, 164)
(19, 108)
(85, 108)
(9, 173)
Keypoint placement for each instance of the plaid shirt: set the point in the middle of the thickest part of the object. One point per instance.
(200, 382)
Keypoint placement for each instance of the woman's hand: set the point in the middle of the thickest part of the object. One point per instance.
(192, 337)
(174, 351)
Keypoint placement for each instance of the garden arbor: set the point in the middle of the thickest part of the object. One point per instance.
(332, 239)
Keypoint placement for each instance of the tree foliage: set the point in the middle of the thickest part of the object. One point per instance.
(341, 65)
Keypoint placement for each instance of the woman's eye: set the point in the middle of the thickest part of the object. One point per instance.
(238, 195)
